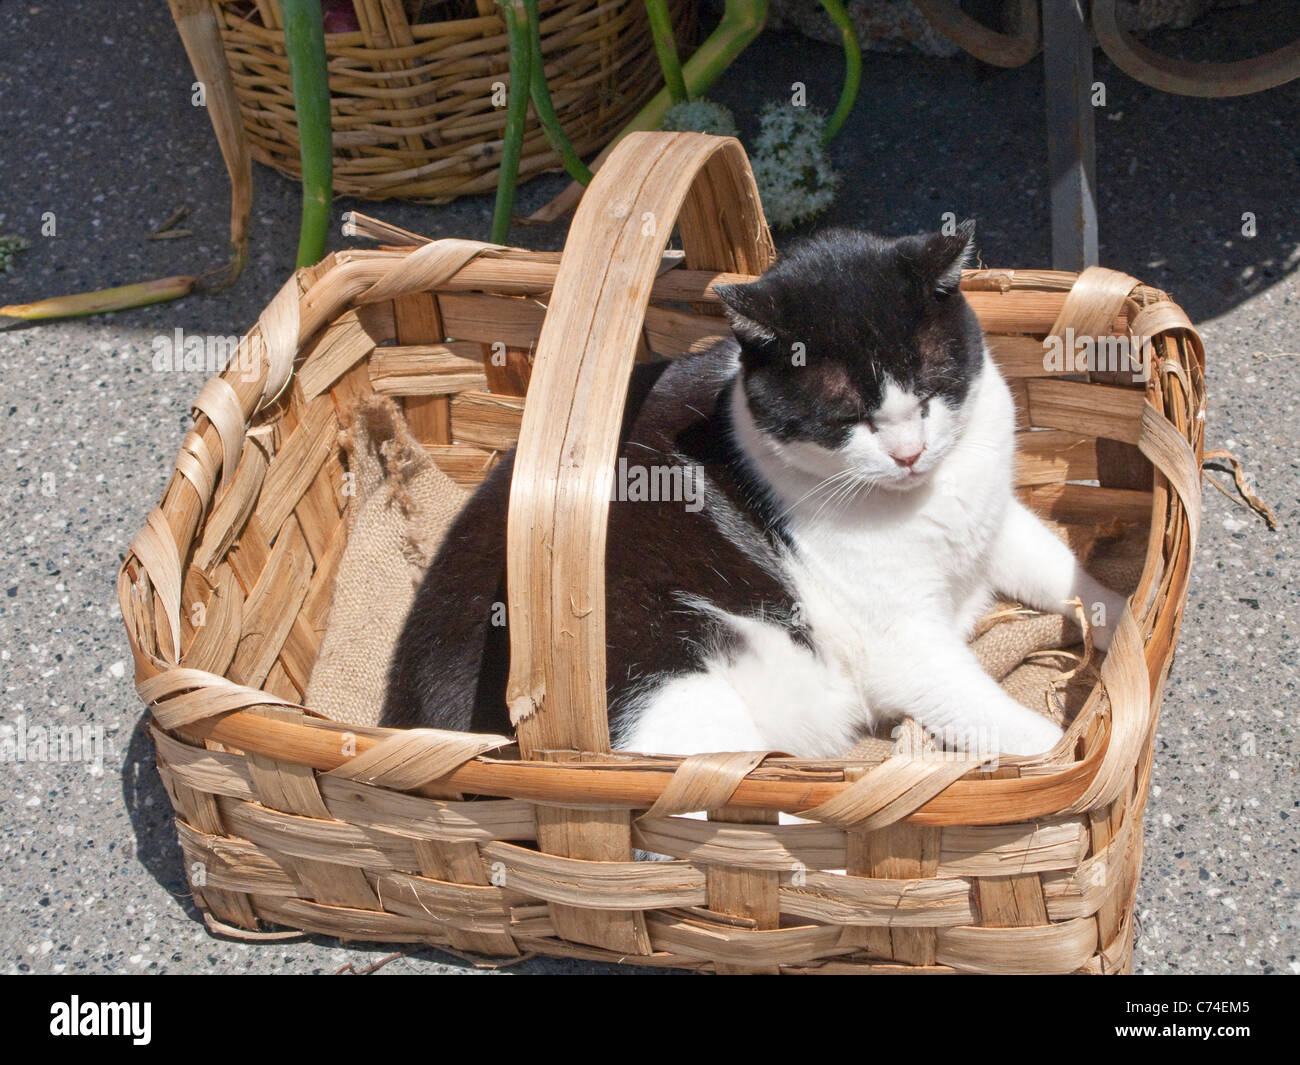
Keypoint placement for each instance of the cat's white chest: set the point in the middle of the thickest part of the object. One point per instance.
(905, 553)
(853, 585)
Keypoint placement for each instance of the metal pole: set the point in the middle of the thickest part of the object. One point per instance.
(1071, 133)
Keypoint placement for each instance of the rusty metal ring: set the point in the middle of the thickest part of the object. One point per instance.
(998, 49)
(1187, 78)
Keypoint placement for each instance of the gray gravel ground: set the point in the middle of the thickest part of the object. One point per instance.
(96, 126)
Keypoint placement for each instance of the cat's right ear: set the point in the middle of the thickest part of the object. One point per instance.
(945, 256)
(746, 307)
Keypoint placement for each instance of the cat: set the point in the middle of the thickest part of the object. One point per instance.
(850, 451)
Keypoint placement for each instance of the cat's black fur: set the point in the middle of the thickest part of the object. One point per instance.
(861, 306)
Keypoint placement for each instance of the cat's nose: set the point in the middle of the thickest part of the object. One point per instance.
(905, 458)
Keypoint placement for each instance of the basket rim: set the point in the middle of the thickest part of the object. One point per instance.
(778, 783)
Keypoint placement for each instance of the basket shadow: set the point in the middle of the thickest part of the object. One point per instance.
(152, 822)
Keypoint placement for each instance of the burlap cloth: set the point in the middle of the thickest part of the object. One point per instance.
(401, 508)
(404, 505)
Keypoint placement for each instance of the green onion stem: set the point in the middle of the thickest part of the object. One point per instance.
(516, 19)
(661, 28)
(543, 105)
(852, 67)
(304, 41)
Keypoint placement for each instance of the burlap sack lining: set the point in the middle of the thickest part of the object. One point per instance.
(400, 508)
(403, 505)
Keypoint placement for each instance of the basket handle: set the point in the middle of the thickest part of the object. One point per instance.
(568, 442)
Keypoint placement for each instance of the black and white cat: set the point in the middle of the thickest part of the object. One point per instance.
(852, 514)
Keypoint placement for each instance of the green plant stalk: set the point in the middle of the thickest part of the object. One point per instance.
(304, 41)
(661, 27)
(516, 19)
(540, 92)
(106, 299)
(741, 22)
(852, 67)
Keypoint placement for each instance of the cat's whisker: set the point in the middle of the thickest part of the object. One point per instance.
(841, 489)
(863, 482)
(825, 482)
(866, 483)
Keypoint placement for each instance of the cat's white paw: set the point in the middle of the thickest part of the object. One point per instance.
(1106, 610)
(1028, 734)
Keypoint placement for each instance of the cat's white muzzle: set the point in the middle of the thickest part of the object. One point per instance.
(907, 479)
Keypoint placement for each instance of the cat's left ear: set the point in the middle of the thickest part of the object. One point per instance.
(947, 254)
(749, 309)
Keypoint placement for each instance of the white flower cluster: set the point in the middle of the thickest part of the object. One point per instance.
(701, 116)
(791, 166)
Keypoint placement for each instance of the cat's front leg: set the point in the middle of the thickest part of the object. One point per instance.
(929, 673)
(1034, 566)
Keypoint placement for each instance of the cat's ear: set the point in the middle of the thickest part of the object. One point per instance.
(945, 255)
(749, 309)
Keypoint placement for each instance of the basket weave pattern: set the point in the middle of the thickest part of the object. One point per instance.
(412, 105)
(504, 846)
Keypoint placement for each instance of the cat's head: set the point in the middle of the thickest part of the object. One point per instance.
(858, 353)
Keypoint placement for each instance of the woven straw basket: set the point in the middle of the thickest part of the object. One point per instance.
(412, 104)
(504, 846)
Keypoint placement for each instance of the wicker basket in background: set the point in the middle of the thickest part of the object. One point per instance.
(505, 846)
(412, 104)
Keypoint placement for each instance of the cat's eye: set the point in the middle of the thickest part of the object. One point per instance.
(941, 294)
